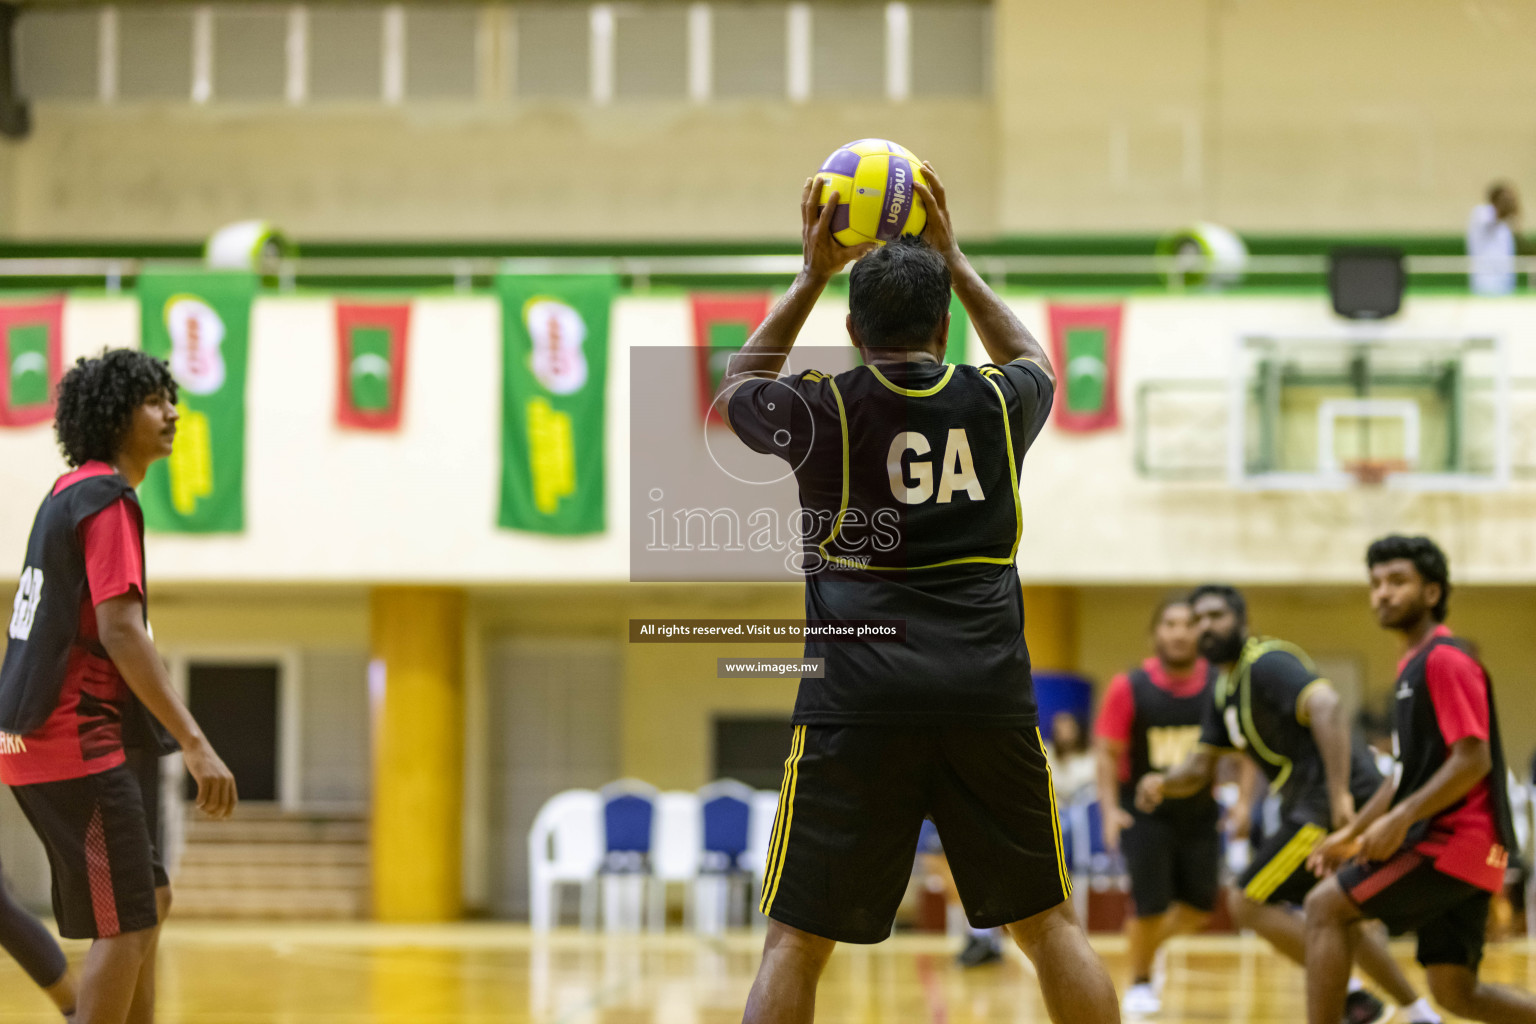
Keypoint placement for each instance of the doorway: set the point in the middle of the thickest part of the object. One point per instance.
(238, 707)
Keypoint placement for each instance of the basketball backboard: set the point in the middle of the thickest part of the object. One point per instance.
(1327, 413)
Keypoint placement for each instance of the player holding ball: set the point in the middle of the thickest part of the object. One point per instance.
(942, 725)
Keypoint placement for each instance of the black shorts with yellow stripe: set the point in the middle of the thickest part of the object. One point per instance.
(853, 802)
(1278, 872)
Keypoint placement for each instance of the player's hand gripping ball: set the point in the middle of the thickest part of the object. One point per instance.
(876, 202)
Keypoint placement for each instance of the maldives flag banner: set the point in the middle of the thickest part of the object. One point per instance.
(1085, 350)
(721, 326)
(554, 401)
(31, 359)
(200, 321)
(372, 340)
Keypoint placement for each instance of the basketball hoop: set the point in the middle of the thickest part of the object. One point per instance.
(1374, 472)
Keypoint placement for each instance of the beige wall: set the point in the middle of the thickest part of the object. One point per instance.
(671, 695)
(1266, 115)
(1113, 115)
(669, 691)
(533, 172)
(329, 506)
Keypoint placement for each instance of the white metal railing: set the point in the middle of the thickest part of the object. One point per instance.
(464, 270)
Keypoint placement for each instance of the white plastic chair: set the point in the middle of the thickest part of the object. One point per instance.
(565, 846)
(765, 808)
(676, 850)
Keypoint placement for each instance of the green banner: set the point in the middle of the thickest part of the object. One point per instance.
(955, 350)
(553, 401)
(1087, 351)
(199, 320)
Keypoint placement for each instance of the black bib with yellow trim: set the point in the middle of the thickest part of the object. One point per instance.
(1272, 735)
(914, 474)
(930, 474)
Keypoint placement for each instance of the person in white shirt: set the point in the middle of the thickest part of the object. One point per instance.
(1074, 770)
(1492, 240)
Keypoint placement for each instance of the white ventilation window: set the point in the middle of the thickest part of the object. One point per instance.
(951, 49)
(749, 50)
(553, 50)
(57, 53)
(651, 51)
(250, 53)
(346, 53)
(441, 52)
(154, 53)
(848, 50)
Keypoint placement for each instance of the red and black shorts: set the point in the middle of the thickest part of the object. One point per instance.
(1407, 894)
(103, 855)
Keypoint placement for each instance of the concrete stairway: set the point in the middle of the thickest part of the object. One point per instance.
(265, 864)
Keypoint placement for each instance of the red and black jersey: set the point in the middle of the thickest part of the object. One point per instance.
(1444, 695)
(64, 707)
(1158, 718)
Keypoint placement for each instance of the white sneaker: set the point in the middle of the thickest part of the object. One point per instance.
(1142, 1001)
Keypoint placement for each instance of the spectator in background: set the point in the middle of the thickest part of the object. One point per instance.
(1493, 238)
(1074, 771)
(1377, 730)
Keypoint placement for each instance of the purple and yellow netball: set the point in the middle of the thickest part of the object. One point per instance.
(876, 201)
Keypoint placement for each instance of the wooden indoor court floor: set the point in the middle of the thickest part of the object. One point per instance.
(501, 974)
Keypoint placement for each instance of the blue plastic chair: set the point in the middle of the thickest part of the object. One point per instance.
(629, 818)
(719, 893)
(727, 808)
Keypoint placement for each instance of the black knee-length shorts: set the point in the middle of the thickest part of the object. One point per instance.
(853, 801)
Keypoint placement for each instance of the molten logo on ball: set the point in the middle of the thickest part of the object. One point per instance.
(899, 189)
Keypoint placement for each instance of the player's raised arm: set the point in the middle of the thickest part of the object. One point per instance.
(764, 353)
(1002, 334)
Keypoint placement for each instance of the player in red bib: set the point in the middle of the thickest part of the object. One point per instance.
(1428, 851)
(1150, 721)
(85, 701)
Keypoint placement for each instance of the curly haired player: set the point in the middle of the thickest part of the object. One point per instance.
(81, 684)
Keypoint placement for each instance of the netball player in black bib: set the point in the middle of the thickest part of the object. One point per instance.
(910, 466)
(1269, 703)
(85, 701)
(1429, 850)
(1150, 721)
